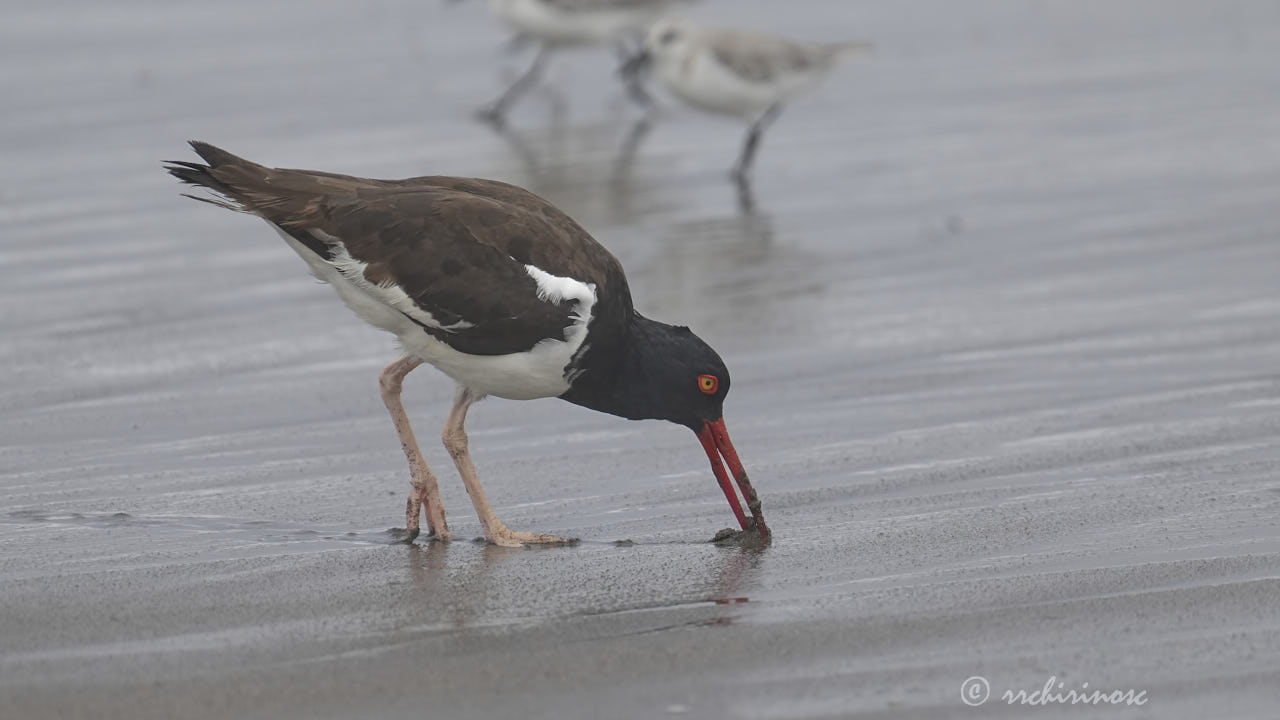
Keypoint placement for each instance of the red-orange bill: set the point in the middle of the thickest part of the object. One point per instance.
(715, 441)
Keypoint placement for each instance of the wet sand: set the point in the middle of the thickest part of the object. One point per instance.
(1003, 319)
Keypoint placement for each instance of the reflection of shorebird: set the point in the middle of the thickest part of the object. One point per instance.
(591, 166)
(558, 24)
(735, 73)
(538, 165)
(498, 289)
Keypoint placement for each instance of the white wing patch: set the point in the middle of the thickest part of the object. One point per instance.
(556, 289)
(537, 372)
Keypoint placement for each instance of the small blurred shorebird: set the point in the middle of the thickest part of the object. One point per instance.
(559, 24)
(745, 75)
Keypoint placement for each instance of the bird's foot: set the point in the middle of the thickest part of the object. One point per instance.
(437, 527)
(506, 537)
(408, 536)
(411, 518)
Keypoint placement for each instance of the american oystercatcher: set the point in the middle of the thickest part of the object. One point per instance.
(745, 75)
(498, 289)
(559, 24)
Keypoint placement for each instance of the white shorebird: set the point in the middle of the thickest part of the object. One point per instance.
(728, 72)
(560, 24)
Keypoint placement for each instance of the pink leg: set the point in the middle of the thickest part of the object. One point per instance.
(426, 491)
(455, 441)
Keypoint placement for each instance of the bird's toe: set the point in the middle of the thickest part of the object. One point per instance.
(542, 539)
(518, 538)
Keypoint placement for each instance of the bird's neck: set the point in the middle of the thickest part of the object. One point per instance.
(618, 379)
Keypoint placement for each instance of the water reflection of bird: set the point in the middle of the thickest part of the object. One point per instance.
(498, 289)
(718, 265)
(559, 24)
(455, 588)
(740, 74)
(546, 164)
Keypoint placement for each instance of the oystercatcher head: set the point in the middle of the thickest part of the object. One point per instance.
(498, 289)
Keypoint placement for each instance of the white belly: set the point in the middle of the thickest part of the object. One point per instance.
(700, 80)
(537, 373)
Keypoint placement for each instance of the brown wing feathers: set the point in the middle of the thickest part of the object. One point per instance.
(456, 246)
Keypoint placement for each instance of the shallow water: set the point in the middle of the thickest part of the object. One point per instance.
(1001, 311)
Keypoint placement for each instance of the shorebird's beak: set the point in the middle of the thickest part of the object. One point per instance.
(715, 441)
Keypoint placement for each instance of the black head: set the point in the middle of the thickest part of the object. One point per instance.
(688, 381)
(665, 372)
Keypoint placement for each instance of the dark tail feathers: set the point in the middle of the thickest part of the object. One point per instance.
(203, 175)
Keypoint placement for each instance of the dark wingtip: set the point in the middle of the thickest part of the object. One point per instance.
(214, 201)
(187, 172)
(215, 155)
(193, 173)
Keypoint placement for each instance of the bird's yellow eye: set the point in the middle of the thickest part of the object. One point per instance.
(708, 384)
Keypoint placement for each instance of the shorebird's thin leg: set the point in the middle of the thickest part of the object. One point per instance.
(743, 167)
(746, 196)
(455, 441)
(426, 491)
(631, 143)
(496, 111)
(632, 74)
